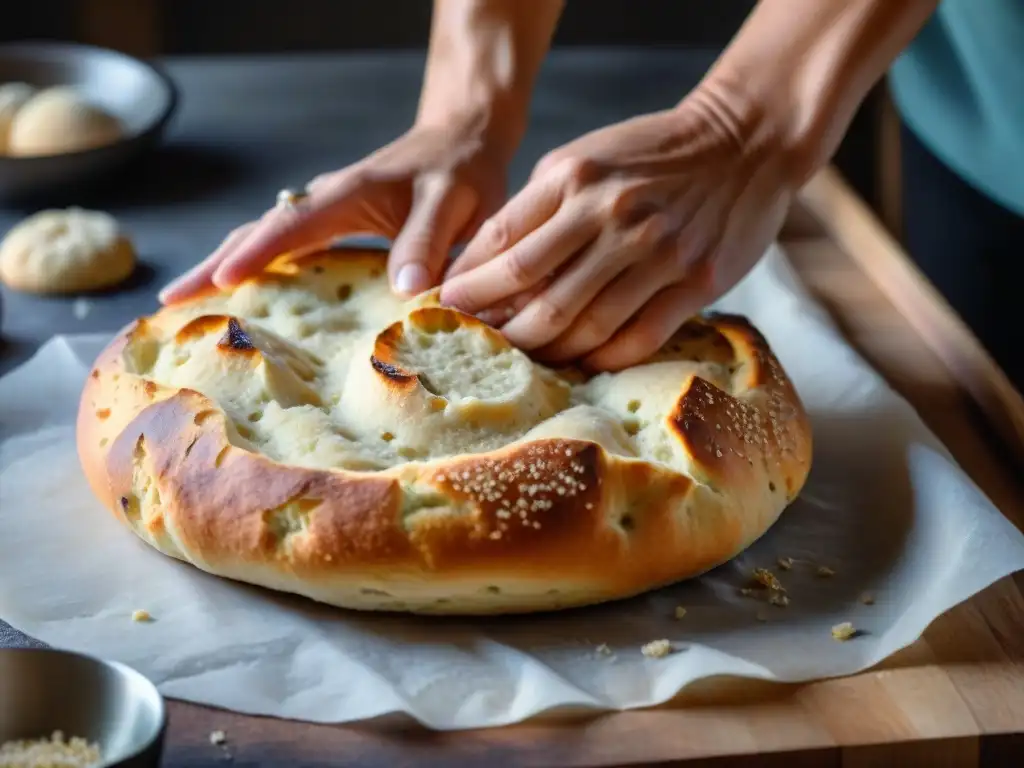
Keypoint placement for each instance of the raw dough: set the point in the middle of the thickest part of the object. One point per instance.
(60, 120)
(13, 97)
(65, 251)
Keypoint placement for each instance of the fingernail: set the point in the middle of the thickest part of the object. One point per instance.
(168, 291)
(223, 278)
(412, 279)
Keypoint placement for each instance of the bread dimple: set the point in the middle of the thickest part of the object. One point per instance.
(312, 433)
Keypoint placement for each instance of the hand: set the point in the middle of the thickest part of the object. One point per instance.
(428, 190)
(622, 235)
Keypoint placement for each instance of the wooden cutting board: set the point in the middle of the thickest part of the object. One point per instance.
(955, 698)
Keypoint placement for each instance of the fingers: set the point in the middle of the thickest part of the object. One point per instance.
(200, 277)
(337, 206)
(525, 264)
(556, 309)
(499, 314)
(535, 204)
(440, 211)
(652, 328)
(607, 313)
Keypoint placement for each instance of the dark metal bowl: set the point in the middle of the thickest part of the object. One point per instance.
(43, 690)
(138, 93)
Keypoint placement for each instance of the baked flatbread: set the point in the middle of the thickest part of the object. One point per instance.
(310, 433)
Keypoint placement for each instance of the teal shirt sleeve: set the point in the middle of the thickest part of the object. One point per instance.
(959, 87)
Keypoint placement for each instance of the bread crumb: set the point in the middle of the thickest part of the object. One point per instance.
(604, 650)
(825, 572)
(843, 631)
(767, 579)
(680, 612)
(779, 599)
(141, 617)
(657, 649)
(55, 751)
(217, 738)
(785, 563)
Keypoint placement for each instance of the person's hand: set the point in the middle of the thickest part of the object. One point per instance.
(427, 191)
(623, 234)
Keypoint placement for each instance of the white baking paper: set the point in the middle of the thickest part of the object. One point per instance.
(886, 508)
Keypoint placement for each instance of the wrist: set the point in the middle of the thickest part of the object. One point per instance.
(492, 119)
(759, 122)
(483, 59)
(799, 69)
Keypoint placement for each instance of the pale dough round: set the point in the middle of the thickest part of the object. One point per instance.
(59, 120)
(13, 96)
(65, 251)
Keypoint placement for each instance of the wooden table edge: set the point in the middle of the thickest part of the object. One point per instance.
(853, 227)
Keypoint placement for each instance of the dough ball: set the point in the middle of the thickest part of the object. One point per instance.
(66, 251)
(13, 97)
(59, 120)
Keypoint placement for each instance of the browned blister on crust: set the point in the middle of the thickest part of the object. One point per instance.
(310, 433)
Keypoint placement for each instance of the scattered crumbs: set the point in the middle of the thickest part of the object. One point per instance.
(785, 563)
(657, 649)
(867, 598)
(80, 308)
(767, 579)
(604, 650)
(768, 587)
(218, 738)
(141, 617)
(680, 612)
(825, 572)
(843, 631)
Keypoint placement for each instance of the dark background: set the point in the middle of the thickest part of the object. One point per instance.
(233, 26)
(205, 27)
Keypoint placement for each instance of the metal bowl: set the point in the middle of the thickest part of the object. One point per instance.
(107, 703)
(136, 92)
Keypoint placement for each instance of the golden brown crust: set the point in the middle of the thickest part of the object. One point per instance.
(547, 520)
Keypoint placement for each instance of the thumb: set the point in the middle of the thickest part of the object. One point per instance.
(440, 211)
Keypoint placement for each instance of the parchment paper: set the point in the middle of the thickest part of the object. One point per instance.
(886, 508)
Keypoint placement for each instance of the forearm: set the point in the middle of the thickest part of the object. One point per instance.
(483, 60)
(801, 68)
